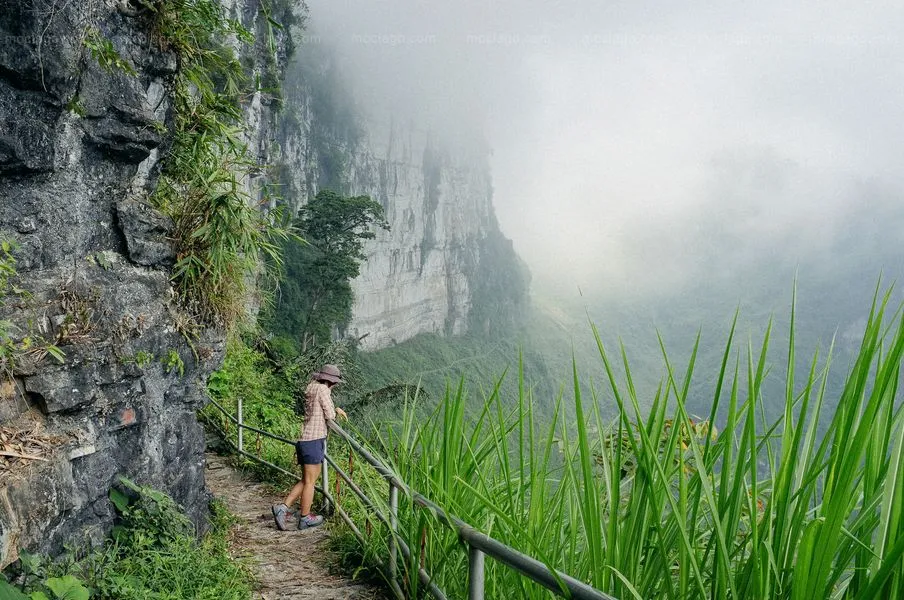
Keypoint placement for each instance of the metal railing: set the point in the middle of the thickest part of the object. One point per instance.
(478, 544)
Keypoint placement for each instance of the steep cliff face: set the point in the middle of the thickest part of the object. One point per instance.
(444, 249)
(81, 146)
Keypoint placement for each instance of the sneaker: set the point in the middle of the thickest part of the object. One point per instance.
(279, 515)
(310, 520)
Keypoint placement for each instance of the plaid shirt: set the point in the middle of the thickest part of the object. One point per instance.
(318, 409)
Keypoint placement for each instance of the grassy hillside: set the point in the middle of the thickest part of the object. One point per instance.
(660, 504)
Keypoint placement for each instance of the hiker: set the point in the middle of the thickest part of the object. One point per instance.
(311, 448)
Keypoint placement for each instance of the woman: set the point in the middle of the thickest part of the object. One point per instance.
(311, 448)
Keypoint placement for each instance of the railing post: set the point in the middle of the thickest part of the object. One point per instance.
(241, 430)
(475, 573)
(326, 479)
(393, 531)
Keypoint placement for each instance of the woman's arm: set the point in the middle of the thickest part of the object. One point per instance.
(326, 404)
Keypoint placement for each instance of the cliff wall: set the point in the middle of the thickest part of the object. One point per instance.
(443, 266)
(81, 145)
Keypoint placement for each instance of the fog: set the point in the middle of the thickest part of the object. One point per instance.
(640, 147)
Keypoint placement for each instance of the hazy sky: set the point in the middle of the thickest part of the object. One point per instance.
(639, 144)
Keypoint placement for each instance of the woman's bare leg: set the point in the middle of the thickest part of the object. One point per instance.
(294, 493)
(311, 473)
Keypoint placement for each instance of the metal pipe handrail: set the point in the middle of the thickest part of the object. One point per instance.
(382, 469)
(250, 428)
(477, 542)
(406, 551)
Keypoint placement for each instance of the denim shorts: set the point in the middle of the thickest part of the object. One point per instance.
(310, 452)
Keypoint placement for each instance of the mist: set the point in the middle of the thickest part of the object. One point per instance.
(643, 150)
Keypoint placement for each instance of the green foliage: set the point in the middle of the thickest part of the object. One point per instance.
(75, 105)
(220, 234)
(278, 16)
(106, 55)
(141, 358)
(271, 386)
(657, 504)
(433, 362)
(315, 293)
(8, 592)
(153, 555)
(173, 362)
(65, 588)
(269, 397)
(18, 344)
(59, 588)
(499, 287)
(147, 516)
(7, 268)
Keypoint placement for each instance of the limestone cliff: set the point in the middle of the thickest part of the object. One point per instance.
(81, 145)
(443, 266)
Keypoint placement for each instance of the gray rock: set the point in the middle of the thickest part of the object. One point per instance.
(424, 273)
(125, 141)
(27, 225)
(146, 231)
(72, 137)
(27, 133)
(41, 45)
(59, 389)
(117, 117)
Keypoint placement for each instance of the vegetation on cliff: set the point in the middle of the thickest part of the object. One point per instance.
(153, 554)
(315, 295)
(221, 235)
(21, 342)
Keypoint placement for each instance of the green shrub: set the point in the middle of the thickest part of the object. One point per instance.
(152, 555)
(221, 233)
(172, 362)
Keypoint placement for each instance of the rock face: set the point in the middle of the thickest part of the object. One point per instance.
(81, 148)
(80, 151)
(443, 266)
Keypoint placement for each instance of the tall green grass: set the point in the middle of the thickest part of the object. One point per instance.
(657, 505)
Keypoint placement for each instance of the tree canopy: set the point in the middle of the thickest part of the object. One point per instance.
(315, 294)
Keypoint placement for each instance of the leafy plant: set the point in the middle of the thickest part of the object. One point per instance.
(148, 517)
(142, 358)
(173, 362)
(220, 233)
(16, 343)
(67, 587)
(315, 292)
(106, 55)
(59, 588)
(153, 555)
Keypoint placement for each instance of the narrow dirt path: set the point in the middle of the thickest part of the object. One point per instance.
(288, 564)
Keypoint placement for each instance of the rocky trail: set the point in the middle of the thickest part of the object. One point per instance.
(287, 564)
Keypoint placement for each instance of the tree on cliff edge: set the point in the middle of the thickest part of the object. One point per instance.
(315, 294)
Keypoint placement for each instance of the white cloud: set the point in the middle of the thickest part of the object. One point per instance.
(641, 144)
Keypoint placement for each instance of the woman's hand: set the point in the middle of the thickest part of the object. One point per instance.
(341, 413)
